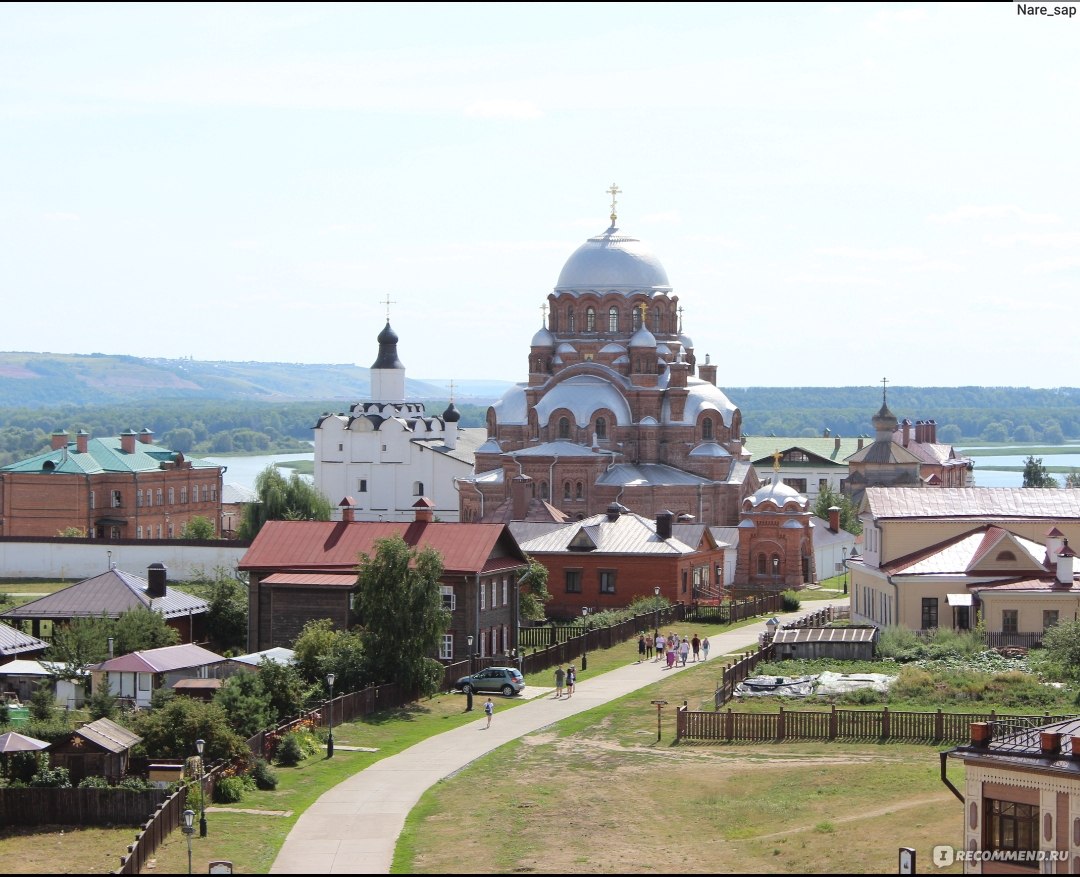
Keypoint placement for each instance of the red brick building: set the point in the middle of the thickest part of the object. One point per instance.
(301, 571)
(124, 487)
(606, 561)
(617, 407)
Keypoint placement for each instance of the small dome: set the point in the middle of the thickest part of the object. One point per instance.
(687, 342)
(643, 338)
(566, 348)
(543, 338)
(613, 260)
(451, 414)
(779, 494)
(388, 355)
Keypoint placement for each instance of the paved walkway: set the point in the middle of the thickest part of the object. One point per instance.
(353, 827)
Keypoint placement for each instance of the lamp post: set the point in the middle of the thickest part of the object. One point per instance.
(656, 609)
(844, 562)
(468, 689)
(189, 819)
(199, 746)
(584, 639)
(330, 738)
(854, 556)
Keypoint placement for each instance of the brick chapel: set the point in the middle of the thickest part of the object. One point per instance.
(618, 409)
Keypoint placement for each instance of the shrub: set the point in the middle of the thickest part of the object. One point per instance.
(135, 784)
(861, 696)
(790, 601)
(50, 777)
(291, 750)
(264, 776)
(94, 782)
(42, 704)
(5, 713)
(229, 790)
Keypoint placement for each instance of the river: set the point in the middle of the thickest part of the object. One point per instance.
(244, 470)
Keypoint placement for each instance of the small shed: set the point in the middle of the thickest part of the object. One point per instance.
(101, 748)
(839, 643)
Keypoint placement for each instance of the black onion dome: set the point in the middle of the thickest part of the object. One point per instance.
(388, 357)
(451, 414)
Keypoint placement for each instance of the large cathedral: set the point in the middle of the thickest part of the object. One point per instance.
(617, 409)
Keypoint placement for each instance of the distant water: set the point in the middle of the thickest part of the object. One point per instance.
(244, 470)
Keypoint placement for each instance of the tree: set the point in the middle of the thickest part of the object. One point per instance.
(42, 704)
(78, 644)
(103, 704)
(1072, 479)
(72, 533)
(534, 592)
(246, 702)
(281, 499)
(995, 432)
(198, 527)
(285, 686)
(1035, 474)
(1062, 645)
(170, 729)
(141, 628)
(849, 515)
(401, 613)
(227, 608)
(950, 433)
(320, 650)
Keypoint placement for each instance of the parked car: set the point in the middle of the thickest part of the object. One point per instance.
(508, 680)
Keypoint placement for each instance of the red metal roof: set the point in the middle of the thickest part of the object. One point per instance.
(345, 580)
(323, 545)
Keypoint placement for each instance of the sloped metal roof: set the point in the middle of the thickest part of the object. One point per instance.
(963, 502)
(109, 735)
(163, 660)
(627, 534)
(15, 642)
(102, 455)
(826, 635)
(110, 593)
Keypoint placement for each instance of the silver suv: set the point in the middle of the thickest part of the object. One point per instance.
(508, 680)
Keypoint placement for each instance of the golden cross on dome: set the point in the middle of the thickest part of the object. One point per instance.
(776, 460)
(543, 311)
(644, 314)
(884, 381)
(613, 191)
(388, 303)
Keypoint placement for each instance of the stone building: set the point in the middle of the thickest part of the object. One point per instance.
(617, 406)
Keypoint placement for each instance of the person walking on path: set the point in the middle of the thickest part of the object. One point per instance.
(671, 656)
(661, 646)
(684, 651)
(705, 648)
(571, 679)
(560, 675)
(650, 644)
(695, 643)
(489, 711)
(641, 648)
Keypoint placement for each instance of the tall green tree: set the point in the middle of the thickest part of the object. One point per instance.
(320, 649)
(282, 499)
(246, 702)
(849, 515)
(198, 527)
(534, 591)
(227, 607)
(139, 629)
(170, 729)
(78, 644)
(1035, 474)
(401, 613)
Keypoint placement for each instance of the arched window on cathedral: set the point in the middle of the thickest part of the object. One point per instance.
(761, 564)
(418, 488)
(590, 319)
(570, 322)
(657, 325)
(566, 491)
(564, 428)
(578, 491)
(636, 318)
(706, 430)
(601, 428)
(543, 490)
(613, 319)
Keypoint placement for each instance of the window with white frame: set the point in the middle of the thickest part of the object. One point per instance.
(494, 594)
(92, 499)
(160, 496)
(506, 591)
(361, 485)
(172, 495)
(138, 532)
(483, 597)
(117, 499)
(446, 650)
(213, 493)
(449, 601)
(138, 498)
(183, 495)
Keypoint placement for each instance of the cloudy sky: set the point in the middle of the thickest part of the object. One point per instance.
(838, 193)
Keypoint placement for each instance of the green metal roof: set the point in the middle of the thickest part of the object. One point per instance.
(762, 447)
(102, 455)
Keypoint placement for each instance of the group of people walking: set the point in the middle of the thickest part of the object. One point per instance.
(672, 648)
(565, 680)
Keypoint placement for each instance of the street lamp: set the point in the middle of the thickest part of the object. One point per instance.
(330, 738)
(656, 608)
(854, 556)
(584, 639)
(189, 819)
(844, 562)
(199, 746)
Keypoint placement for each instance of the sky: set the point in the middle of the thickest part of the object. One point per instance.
(839, 193)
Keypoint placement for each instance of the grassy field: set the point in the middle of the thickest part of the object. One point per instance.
(63, 849)
(15, 593)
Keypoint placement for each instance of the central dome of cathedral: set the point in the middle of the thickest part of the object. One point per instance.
(613, 260)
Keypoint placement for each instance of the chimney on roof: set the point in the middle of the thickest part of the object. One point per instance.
(59, 440)
(1050, 742)
(1066, 564)
(931, 429)
(907, 431)
(708, 371)
(981, 733)
(146, 436)
(836, 444)
(348, 512)
(613, 512)
(520, 494)
(834, 519)
(156, 574)
(859, 448)
(82, 439)
(664, 521)
(424, 508)
(1054, 541)
(127, 441)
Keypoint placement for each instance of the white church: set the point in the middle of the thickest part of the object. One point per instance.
(386, 453)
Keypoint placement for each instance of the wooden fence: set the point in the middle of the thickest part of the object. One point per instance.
(882, 725)
(33, 806)
(997, 640)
